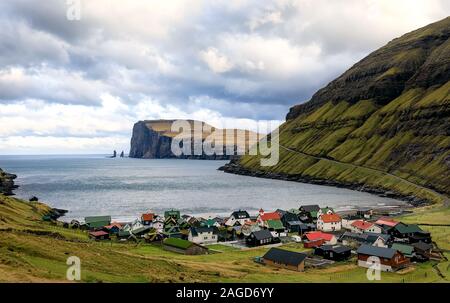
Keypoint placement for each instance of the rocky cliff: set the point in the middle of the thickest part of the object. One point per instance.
(7, 183)
(152, 139)
(382, 126)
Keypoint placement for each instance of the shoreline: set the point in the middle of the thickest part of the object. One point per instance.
(413, 201)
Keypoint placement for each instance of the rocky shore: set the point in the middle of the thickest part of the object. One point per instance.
(7, 183)
(234, 168)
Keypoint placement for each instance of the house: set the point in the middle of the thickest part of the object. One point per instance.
(285, 259)
(410, 233)
(153, 236)
(329, 222)
(203, 235)
(140, 231)
(113, 228)
(263, 217)
(309, 211)
(123, 234)
(364, 212)
(147, 219)
(333, 252)
(97, 222)
(172, 213)
(306, 227)
(240, 216)
(277, 227)
(184, 247)
(99, 235)
(294, 226)
(261, 237)
(386, 223)
(360, 226)
(390, 259)
(325, 211)
(356, 239)
(158, 224)
(288, 217)
(210, 223)
(422, 251)
(133, 225)
(405, 249)
(348, 220)
(318, 238)
(249, 227)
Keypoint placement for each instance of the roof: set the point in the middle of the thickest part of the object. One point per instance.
(408, 228)
(92, 219)
(98, 233)
(114, 224)
(199, 230)
(403, 248)
(270, 216)
(310, 208)
(422, 245)
(178, 243)
(317, 235)
(275, 224)
(240, 214)
(381, 252)
(386, 221)
(362, 224)
(262, 234)
(335, 248)
(140, 229)
(288, 216)
(330, 218)
(284, 256)
(147, 217)
(326, 209)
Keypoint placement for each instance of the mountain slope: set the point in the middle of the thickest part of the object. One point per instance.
(390, 113)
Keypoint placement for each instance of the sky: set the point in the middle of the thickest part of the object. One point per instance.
(74, 79)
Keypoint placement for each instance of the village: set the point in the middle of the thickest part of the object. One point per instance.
(362, 235)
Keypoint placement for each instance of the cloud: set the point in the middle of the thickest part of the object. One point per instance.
(234, 61)
(217, 62)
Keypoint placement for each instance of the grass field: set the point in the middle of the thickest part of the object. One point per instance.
(35, 251)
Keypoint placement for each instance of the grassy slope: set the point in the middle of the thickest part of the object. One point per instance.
(33, 250)
(359, 134)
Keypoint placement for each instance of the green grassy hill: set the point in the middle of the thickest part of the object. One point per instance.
(384, 124)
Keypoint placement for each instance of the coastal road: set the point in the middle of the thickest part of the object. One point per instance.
(446, 200)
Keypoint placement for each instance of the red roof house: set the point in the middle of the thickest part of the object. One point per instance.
(386, 221)
(317, 238)
(146, 219)
(99, 235)
(329, 218)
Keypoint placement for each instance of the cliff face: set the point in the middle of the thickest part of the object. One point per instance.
(149, 144)
(152, 139)
(7, 183)
(382, 125)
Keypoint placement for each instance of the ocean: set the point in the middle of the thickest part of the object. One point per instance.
(124, 188)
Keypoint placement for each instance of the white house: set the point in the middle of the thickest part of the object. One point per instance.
(158, 224)
(329, 222)
(360, 226)
(203, 235)
(347, 222)
(240, 216)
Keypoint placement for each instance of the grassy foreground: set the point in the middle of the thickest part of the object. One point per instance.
(35, 251)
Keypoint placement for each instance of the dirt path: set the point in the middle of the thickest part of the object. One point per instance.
(446, 200)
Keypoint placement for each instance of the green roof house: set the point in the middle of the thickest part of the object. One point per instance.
(407, 250)
(184, 247)
(275, 225)
(97, 221)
